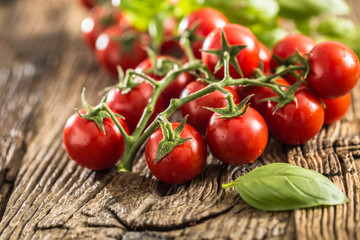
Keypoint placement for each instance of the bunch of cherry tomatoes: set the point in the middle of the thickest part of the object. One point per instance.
(319, 88)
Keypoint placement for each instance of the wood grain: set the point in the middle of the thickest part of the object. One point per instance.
(43, 195)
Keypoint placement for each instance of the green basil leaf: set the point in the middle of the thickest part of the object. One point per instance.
(282, 186)
(296, 9)
(336, 27)
(245, 11)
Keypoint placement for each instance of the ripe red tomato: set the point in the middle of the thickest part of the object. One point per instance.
(132, 104)
(265, 57)
(98, 19)
(259, 94)
(88, 146)
(287, 47)
(175, 88)
(88, 3)
(207, 20)
(296, 125)
(118, 47)
(335, 109)
(248, 58)
(170, 45)
(198, 115)
(183, 163)
(237, 140)
(334, 70)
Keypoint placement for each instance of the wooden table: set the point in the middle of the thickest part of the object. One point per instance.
(43, 67)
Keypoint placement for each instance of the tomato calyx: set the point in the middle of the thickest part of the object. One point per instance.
(233, 51)
(287, 97)
(160, 65)
(293, 60)
(229, 112)
(171, 137)
(128, 40)
(190, 33)
(95, 114)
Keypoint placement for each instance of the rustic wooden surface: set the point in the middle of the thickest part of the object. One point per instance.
(43, 67)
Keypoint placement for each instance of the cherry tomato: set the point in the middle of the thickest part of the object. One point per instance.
(183, 163)
(207, 19)
(259, 94)
(118, 47)
(335, 109)
(198, 115)
(334, 70)
(265, 57)
(248, 58)
(88, 146)
(98, 19)
(88, 3)
(132, 104)
(296, 125)
(170, 45)
(175, 88)
(287, 47)
(237, 140)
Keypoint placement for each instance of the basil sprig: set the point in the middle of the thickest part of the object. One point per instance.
(283, 186)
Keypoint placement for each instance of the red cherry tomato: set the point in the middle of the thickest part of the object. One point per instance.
(88, 146)
(265, 57)
(132, 104)
(296, 125)
(237, 140)
(116, 47)
(259, 94)
(207, 20)
(98, 19)
(175, 88)
(183, 163)
(335, 109)
(198, 115)
(170, 46)
(334, 70)
(248, 58)
(88, 3)
(287, 47)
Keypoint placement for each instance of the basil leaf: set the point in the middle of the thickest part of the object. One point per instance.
(282, 186)
(245, 12)
(309, 8)
(336, 27)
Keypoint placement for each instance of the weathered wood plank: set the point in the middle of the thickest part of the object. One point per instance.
(43, 195)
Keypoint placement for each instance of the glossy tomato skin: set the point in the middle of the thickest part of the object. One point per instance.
(98, 19)
(237, 140)
(296, 125)
(86, 144)
(207, 19)
(334, 70)
(183, 163)
(132, 104)
(335, 109)
(175, 88)
(248, 58)
(198, 115)
(287, 47)
(88, 3)
(170, 45)
(260, 93)
(265, 57)
(110, 52)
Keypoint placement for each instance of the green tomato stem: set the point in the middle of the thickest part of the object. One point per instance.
(125, 135)
(132, 72)
(187, 47)
(134, 142)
